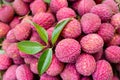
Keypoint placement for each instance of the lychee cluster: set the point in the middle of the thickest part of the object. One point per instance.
(88, 47)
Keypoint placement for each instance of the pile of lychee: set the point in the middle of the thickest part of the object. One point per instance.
(88, 47)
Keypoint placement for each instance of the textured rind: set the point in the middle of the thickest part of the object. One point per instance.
(55, 68)
(72, 29)
(6, 13)
(106, 31)
(70, 73)
(112, 54)
(18, 61)
(115, 20)
(4, 28)
(85, 6)
(33, 66)
(5, 44)
(46, 20)
(14, 22)
(47, 77)
(103, 71)
(85, 64)
(38, 6)
(90, 23)
(115, 40)
(20, 7)
(10, 36)
(91, 43)
(8, 76)
(50, 31)
(23, 73)
(55, 5)
(65, 13)
(112, 4)
(23, 28)
(103, 11)
(67, 50)
(5, 61)
(13, 51)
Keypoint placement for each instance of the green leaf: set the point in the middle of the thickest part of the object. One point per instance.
(41, 31)
(2, 51)
(29, 47)
(47, 1)
(58, 29)
(44, 61)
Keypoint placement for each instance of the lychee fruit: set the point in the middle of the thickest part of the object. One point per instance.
(56, 5)
(67, 50)
(5, 61)
(6, 13)
(85, 64)
(103, 71)
(90, 23)
(112, 54)
(65, 13)
(106, 31)
(55, 67)
(103, 11)
(70, 73)
(46, 20)
(38, 6)
(4, 28)
(23, 72)
(92, 43)
(85, 6)
(72, 29)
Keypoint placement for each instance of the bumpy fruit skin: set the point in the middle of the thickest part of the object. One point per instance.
(20, 7)
(91, 43)
(33, 66)
(85, 64)
(85, 6)
(4, 28)
(70, 73)
(103, 71)
(6, 13)
(65, 13)
(29, 59)
(72, 29)
(23, 72)
(8, 76)
(106, 31)
(115, 20)
(15, 22)
(12, 51)
(55, 68)
(5, 44)
(115, 40)
(22, 31)
(112, 54)
(75, 5)
(24, 55)
(38, 6)
(10, 36)
(5, 61)
(112, 4)
(67, 50)
(103, 11)
(55, 5)
(90, 23)
(47, 77)
(46, 20)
